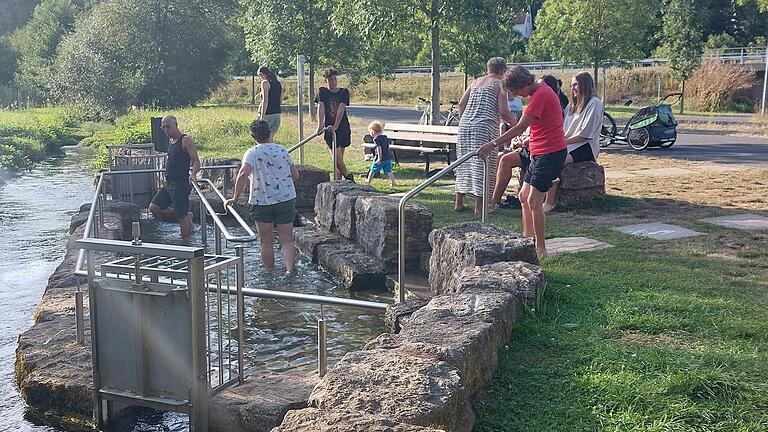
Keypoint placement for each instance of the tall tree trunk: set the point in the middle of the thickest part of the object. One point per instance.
(594, 75)
(253, 89)
(312, 112)
(379, 90)
(466, 80)
(435, 94)
(682, 98)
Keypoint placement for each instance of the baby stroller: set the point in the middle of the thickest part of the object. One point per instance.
(652, 126)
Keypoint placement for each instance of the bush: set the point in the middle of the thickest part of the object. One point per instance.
(716, 87)
(127, 53)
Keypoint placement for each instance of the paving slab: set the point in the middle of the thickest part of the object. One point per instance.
(663, 172)
(618, 174)
(744, 221)
(561, 245)
(658, 231)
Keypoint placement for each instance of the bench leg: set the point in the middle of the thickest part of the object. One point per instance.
(426, 164)
(394, 155)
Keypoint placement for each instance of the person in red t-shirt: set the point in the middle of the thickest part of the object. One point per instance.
(547, 147)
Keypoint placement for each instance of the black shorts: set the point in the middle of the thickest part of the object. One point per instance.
(278, 214)
(582, 153)
(525, 158)
(343, 137)
(176, 194)
(545, 168)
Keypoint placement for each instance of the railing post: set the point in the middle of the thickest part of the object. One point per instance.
(401, 251)
(203, 225)
(79, 317)
(333, 157)
(322, 344)
(216, 239)
(486, 182)
(198, 416)
(300, 96)
(240, 252)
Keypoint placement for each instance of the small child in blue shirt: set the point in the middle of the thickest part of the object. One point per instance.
(382, 160)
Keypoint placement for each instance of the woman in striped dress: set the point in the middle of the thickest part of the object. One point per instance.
(481, 107)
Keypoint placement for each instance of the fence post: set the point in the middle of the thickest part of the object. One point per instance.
(322, 344)
(765, 82)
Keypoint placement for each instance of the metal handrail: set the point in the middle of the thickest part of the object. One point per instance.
(96, 202)
(301, 143)
(252, 236)
(415, 191)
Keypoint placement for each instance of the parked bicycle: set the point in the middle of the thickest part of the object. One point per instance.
(652, 126)
(450, 118)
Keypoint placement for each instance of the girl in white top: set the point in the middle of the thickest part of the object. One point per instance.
(582, 124)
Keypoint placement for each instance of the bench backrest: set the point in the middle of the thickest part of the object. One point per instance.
(427, 129)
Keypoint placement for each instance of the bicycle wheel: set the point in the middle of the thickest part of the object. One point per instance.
(424, 120)
(451, 120)
(608, 131)
(638, 138)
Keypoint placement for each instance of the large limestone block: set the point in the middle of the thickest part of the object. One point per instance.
(325, 200)
(581, 183)
(357, 270)
(526, 282)
(314, 420)
(260, 403)
(397, 312)
(309, 238)
(457, 247)
(345, 218)
(404, 386)
(306, 186)
(377, 229)
(464, 330)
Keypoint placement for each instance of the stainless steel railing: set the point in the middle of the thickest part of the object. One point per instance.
(301, 143)
(415, 191)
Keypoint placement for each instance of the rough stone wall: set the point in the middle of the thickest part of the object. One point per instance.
(457, 247)
(325, 200)
(306, 187)
(581, 183)
(443, 355)
(377, 229)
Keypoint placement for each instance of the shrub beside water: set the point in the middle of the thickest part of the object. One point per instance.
(28, 136)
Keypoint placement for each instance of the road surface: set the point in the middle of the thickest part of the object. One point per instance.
(725, 149)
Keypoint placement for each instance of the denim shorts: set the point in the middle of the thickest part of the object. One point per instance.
(385, 166)
(278, 214)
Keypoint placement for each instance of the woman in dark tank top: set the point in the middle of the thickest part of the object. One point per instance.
(272, 95)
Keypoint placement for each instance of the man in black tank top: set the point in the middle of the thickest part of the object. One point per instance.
(172, 200)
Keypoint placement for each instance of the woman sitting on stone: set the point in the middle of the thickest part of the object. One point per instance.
(582, 125)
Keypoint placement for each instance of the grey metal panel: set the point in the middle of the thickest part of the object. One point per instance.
(144, 339)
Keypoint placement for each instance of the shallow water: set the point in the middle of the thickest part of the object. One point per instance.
(35, 210)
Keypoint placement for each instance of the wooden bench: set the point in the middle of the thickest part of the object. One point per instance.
(426, 140)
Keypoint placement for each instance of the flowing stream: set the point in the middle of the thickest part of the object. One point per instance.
(35, 210)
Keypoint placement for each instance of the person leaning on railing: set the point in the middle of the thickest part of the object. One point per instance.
(272, 193)
(546, 145)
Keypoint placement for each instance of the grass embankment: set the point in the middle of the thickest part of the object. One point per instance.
(28, 136)
(643, 336)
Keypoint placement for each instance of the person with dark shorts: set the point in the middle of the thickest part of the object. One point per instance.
(332, 103)
(583, 122)
(272, 174)
(172, 200)
(546, 145)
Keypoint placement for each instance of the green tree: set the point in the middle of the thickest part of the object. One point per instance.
(485, 32)
(8, 59)
(683, 41)
(37, 40)
(722, 40)
(15, 13)
(163, 53)
(592, 31)
(277, 31)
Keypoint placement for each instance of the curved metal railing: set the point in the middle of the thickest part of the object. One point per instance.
(415, 191)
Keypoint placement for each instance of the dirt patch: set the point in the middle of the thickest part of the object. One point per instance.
(675, 339)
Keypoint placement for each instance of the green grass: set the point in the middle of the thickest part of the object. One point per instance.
(28, 136)
(643, 336)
